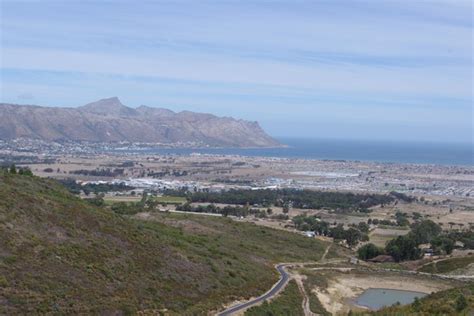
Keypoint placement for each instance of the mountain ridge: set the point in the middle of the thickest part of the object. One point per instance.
(109, 120)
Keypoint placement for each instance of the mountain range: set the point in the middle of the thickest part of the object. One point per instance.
(108, 120)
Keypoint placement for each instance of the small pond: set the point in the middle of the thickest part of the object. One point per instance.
(378, 298)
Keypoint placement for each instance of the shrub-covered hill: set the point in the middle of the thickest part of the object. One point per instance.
(60, 254)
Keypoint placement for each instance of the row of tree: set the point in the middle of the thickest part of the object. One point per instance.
(304, 199)
(239, 211)
(12, 169)
(104, 172)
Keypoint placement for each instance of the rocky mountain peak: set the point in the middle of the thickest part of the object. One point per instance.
(108, 106)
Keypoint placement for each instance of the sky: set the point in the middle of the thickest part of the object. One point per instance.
(378, 70)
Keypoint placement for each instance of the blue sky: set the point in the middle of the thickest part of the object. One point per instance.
(383, 70)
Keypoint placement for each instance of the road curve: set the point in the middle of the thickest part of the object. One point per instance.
(272, 292)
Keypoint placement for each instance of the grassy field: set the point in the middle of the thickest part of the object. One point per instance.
(170, 199)
(61, 255)
(337, 252)
(380, 236)
(380, 240)
(287, 303)
(448, 265)
(127, 199)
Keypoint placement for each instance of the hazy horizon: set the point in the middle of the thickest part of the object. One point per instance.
(328, 70)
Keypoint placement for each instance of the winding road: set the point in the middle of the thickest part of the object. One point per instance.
(277, 287)
(284, 277)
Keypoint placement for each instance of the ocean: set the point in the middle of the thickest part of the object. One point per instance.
(354, 150)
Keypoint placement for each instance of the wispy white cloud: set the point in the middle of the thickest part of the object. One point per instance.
(454, 81)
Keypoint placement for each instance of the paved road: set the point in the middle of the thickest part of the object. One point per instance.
(274, 290)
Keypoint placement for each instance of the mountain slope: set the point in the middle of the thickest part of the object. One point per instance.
(60, 254)
(108, 120)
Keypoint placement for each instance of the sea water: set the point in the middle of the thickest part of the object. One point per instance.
(351, 150)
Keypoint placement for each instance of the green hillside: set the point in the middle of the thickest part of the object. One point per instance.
(287, 303)
(60, 254)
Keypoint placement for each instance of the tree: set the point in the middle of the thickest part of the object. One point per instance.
(186, 207)
(25, 171)
(321, 228)
(402, 219)
(461, 303)
(151, 203)
(338, 232)
(416, 304)
(352, 236)
(286, 208)
(98, 200)
(144, 197)
(299, 220)
(305, 226)
(13, 169)
(211, 208)
(363, 227)
(368, 251)
(423, 232)
(403, 248)
(416, 216)
(443, 244)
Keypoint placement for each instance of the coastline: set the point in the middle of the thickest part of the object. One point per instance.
(456, 155)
